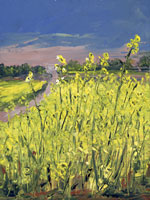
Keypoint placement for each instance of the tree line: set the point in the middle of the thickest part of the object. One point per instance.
(115, 64)
(18, 70)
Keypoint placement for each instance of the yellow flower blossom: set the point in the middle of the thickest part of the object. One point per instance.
(85, 68)
(61, 59)
(137, 38)
(105, 64)
(129, 45)
(56, 65)
(134, 44)
(133, 51)
(64, 70)
(91, 57)
(106, 56)
(29, 77)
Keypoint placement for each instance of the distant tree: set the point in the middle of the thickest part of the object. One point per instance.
(8, 71)
(16, 71)
(115, 64)
(25, 68)
(20, 70)
(38, 69)
(129, 63)
(144, 63)
(74, 65)
(2, 72)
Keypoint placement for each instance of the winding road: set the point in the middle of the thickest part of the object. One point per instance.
(21, 109)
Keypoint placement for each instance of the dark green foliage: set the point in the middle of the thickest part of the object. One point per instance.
(129, 64)
(74, 65)
(20, 70)
(115, 64)
(2, 72)
(144, 63)
(38, 69)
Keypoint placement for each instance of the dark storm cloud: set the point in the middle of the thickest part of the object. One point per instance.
(111, 23)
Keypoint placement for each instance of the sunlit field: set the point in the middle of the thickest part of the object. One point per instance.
(90, 135)
(16, 92)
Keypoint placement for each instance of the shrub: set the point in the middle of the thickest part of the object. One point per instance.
(115, 64)
(74, 65)
(144, 63)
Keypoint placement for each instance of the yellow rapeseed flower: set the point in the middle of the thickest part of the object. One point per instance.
(133, 51)
(129, 45)
(56, 65)
(61, 59)
(64, 70)
(29, 77)
(136, 45)
(105, 63)
(91, 57)
(131, 41)
(137, 38)
(106, 56)
(85, 68)
(102, 61)
(136, 50)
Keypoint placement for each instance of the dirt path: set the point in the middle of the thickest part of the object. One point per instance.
(21, 109)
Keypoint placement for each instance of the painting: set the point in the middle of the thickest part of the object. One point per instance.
(74, 99)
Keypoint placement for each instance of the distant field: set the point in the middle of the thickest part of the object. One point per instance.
(17, 92)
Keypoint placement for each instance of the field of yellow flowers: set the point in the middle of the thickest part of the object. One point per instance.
(16, 91)
(89, 134)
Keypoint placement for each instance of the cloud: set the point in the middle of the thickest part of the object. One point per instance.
(140, 15)
(71, 35)
(26, 42)
(62, 35)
